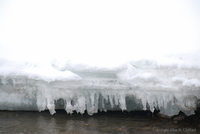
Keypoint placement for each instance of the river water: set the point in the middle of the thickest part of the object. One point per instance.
(102, 123)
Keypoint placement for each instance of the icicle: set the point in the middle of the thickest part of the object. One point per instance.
(80, 105)
(144, 102)
(111, 101)
(51, 106)
(122, 102)
(68, 107)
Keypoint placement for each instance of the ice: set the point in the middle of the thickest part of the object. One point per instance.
(135, 85)
(88, 56)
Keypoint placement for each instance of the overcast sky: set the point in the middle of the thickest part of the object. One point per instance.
(101, 30)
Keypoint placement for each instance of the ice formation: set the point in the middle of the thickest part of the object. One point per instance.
(90, 56)
(135, 85)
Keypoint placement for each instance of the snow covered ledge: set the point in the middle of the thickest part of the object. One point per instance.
(138, 85)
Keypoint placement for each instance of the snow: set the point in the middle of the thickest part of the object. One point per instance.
(98, 56)
(135, 85)
(35, 71)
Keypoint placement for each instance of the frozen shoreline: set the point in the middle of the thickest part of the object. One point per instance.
(138, 85)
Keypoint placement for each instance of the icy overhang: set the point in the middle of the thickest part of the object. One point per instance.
(141, 85)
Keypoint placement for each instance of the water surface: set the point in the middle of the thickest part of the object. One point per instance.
(105, 123)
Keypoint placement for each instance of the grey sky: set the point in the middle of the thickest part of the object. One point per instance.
(30, 27)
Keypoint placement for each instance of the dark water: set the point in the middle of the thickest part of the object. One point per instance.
(105, 123)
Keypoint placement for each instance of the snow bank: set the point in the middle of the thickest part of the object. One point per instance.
(134, 85)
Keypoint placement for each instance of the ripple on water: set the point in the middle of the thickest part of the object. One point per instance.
(61, 123)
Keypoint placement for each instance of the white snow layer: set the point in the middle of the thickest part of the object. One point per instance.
(167, 84)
